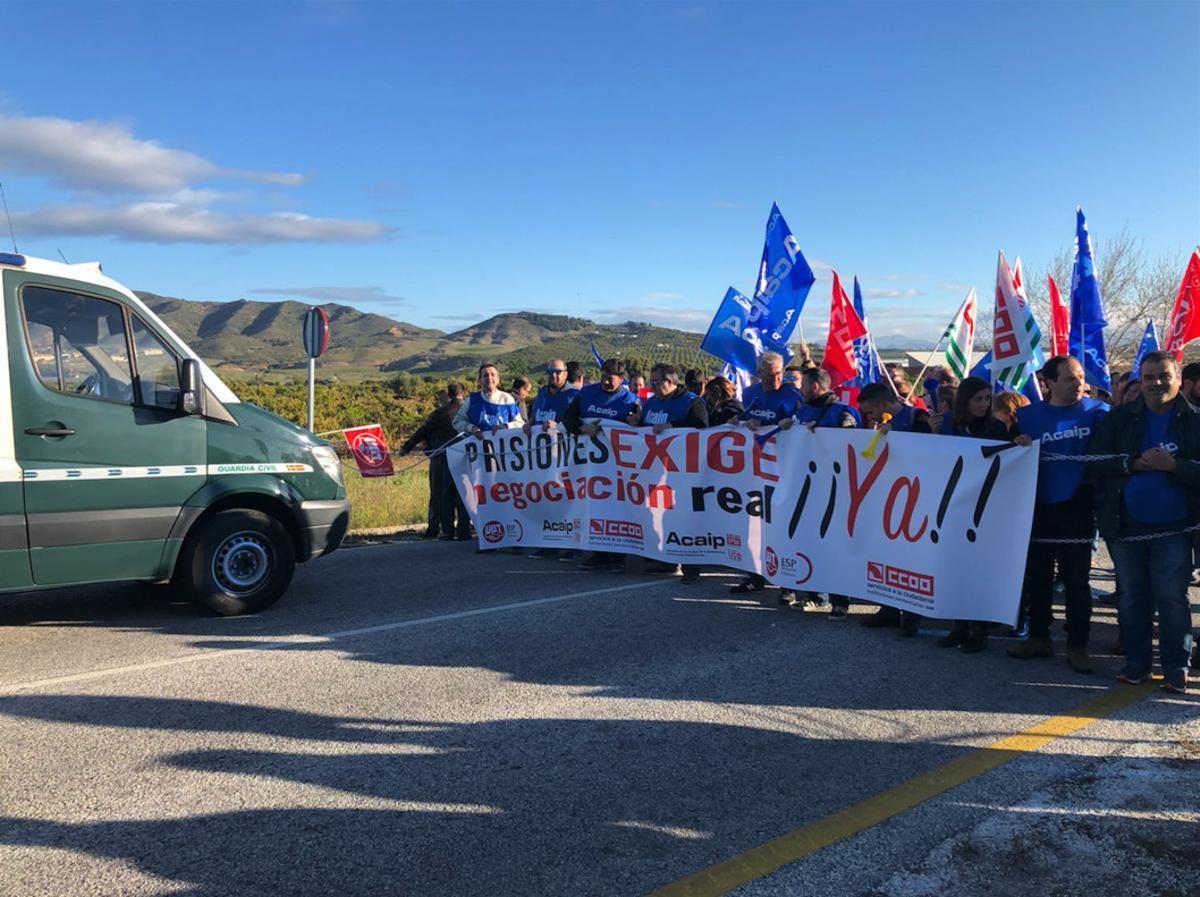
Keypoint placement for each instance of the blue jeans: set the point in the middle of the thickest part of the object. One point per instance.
(1154, 576)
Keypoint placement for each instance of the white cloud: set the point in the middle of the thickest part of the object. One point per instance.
(166, 222)
(657, 297)
(97, 155)
(954, 286)
(340, 295)
(696, 319)
(728, 204)
(879, 293)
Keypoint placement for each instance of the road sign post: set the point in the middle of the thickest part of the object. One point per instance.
(315, 332)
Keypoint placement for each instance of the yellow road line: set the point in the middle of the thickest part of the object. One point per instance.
(766, 858)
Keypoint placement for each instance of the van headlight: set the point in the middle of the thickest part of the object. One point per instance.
(329, 461)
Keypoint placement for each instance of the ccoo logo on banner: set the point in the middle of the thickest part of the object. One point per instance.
(910, 527)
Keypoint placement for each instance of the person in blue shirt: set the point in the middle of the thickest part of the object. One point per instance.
(552, 400)
(548, 409)
(768, 403)
(1147, 473)
(489, 409)
(608, 401)
(672, 406)
(821, 408)
(1063, 424)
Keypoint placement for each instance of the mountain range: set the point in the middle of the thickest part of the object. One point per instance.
(256, 336)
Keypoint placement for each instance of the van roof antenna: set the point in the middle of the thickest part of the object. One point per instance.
(61, 256)
(9, 217)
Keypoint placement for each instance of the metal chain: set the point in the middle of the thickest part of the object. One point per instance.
(1051, 456)
(1145, 537)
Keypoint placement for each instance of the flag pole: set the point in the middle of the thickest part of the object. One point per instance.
(928, 362)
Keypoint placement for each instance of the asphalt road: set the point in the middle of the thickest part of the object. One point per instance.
(417, 719)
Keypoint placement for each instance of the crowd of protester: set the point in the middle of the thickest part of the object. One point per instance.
(1125, 466)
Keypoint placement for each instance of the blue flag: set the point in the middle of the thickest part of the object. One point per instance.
(1149, 344)
(731, 336)
(596, 355)
(866, 356)
(1086, 338)
(784, 279)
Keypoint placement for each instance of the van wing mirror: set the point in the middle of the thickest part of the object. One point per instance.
(191, 393)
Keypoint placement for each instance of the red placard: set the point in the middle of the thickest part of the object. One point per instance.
(370, 450)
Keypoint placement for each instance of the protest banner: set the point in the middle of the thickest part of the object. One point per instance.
(370, 450)
(914, 526)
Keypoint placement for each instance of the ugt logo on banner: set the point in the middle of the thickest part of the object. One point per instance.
(370, 450)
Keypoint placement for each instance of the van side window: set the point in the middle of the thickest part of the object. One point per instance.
(157, 367)
(77, 344)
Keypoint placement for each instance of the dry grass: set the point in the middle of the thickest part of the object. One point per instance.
(389, 501)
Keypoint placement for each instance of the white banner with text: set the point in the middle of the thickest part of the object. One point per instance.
(933, 524)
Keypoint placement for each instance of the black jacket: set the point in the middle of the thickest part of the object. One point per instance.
(1120, 433)
(725, 413)
(437, 430)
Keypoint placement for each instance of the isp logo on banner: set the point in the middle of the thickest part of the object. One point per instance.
(370, 450)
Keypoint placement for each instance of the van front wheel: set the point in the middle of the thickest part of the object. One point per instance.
(239, 563)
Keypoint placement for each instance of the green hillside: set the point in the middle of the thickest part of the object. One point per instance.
(264, 338)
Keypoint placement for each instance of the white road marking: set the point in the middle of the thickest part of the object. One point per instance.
(317, 639)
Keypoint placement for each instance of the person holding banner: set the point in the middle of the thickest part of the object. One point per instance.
(672, 406)
(552, 400)
(1146, 461)
(821, 408)
(1064, 520)
(723, 405)
(489, 408)
(769, 402)
(438, 430)
(608, 401)
(883, 410)
(971, 417)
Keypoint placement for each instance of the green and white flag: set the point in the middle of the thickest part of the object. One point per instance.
(960, 338)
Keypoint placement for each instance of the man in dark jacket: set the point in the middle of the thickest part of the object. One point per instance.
(1147, 498)
(438, 430)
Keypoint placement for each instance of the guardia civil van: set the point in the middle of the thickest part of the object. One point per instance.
(124, 457)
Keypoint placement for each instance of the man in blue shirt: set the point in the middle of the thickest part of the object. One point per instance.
(672, 407)
(608, 401)
(1063, 424)
(821, 408)
(768, 403)
(548, 409)
(1148, 498)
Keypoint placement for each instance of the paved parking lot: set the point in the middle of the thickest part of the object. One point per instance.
(417, 719)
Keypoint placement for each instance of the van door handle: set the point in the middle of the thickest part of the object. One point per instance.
(50, 431)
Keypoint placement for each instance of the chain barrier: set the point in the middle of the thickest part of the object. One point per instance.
(1052, 456)
(1145, 537)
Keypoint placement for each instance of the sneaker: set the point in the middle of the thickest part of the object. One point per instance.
(568, 556)
(1078, 659)
(1132, 678)
(910, 625)
(1195, 662)
(1174, 686)
(1031, 647)
(885, 616)
(543, 553)
(690, 575)
(787, 598)
(837, 614)
(595, 562)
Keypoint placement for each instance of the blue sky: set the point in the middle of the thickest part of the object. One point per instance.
(441, 163)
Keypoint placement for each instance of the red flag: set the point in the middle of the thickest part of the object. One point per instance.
(1185, 319)
(845, 327)
(370, 450)
(1060, 323)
